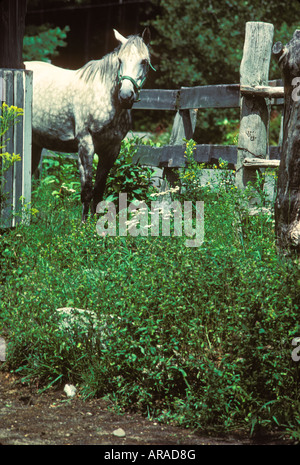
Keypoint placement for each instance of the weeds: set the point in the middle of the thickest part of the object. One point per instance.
(8, 117)
(196, 336)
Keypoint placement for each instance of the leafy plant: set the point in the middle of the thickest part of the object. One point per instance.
(61, 175)
(8, 117)
(127, 177)
(42, 43)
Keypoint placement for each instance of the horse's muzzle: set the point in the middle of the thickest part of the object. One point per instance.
(126, 101)
(126, 94)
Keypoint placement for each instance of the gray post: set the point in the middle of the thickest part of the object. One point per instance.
(183, 128)
(253, 139)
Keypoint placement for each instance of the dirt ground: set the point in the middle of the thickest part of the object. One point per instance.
(51, 418)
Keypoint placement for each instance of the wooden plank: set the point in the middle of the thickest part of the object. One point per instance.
(261, 163)
(212, 153)
(213, 96)
(27, 139)
(263, 91)
(183, 128)
(255, 112)
(147, 155)
(18, 146)
(218, 96)
(157, 99)
(173, 156)
(18, 141)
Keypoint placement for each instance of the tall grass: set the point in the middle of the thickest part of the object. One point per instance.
(196, 336)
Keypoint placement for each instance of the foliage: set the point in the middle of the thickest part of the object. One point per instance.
(41, 43)
(200, 337)
(213, 33)
(127, 177)
(62, 176)
(8, 117)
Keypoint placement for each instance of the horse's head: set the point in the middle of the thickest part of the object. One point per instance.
(134, 62)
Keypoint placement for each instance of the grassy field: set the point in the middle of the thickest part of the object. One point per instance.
(200, 336)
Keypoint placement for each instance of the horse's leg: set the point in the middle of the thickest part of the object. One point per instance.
(35, 160)
(85, 159)
(104, 166)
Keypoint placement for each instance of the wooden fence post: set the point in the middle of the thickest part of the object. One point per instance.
(17, 91)
(255, 110)
(183, 128)
(287, 204)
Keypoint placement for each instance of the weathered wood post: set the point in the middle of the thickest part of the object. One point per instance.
(287, 204)
(183, 128)
(15, 89)
(255, 109)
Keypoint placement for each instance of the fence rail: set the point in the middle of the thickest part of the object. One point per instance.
(190, 98)
(214, 96)
(172, 156)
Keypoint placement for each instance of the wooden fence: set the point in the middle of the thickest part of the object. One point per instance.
(16, 89)
(184, 102)
(253, 150)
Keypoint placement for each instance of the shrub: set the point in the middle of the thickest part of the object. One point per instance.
(8, 117)
(41, 43)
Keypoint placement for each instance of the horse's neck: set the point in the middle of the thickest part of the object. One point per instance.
(99, 85)
(108, 70)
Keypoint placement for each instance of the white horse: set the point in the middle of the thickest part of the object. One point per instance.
(88, 110)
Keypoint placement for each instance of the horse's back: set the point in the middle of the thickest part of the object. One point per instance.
(46, 73)
(53, 115)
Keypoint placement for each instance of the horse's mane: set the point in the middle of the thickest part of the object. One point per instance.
(108, 64)
(101, 68)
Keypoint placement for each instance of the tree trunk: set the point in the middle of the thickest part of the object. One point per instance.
(287, 205)
(12, 25)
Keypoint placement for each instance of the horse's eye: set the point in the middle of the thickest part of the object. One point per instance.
(144, 62)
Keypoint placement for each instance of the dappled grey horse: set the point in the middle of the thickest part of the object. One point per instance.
(88, 110)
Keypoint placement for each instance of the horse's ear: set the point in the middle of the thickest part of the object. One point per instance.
(146, 36)
(119, 37)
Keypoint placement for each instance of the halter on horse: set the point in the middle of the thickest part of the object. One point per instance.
(88, 110)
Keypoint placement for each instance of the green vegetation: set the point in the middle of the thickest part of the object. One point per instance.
(213, 33)
(196, 336)
(8, 117)
(41, 43)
